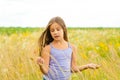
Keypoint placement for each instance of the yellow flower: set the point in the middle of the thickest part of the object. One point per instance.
(84, 56)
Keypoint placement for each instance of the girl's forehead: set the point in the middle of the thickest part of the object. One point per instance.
(55, 25)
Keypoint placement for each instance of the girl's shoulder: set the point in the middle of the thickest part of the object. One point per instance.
(72, 46)
(47, 48)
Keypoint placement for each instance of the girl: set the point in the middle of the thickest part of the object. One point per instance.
(57, 56)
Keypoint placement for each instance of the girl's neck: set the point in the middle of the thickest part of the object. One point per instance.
(59, 42)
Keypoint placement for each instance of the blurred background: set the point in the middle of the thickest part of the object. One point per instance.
(76, 13)
(96, 28)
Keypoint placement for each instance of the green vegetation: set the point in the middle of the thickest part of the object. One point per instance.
(19, 49)
(17, 30)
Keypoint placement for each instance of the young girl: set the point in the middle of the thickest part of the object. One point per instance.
(57, 56)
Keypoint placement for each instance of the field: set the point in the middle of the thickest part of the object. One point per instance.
(19, 49)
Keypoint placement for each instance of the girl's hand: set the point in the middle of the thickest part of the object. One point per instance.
(40, 61)
(93, 66)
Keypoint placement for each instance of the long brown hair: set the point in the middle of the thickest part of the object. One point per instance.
(46, 37)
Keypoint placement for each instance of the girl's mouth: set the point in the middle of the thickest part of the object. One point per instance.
(56, 36)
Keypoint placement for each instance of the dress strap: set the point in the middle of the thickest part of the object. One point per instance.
(69, 45)
(51, 45)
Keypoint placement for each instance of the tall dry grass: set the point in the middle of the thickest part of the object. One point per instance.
(18, 53)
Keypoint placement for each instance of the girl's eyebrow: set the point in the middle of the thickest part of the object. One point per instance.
(51, 29)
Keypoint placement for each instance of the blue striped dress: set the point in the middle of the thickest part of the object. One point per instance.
(60, 64)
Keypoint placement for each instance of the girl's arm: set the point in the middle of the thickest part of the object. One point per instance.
(88, 66)
(76, 68)
(43, 61)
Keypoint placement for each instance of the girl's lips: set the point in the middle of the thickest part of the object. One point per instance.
(56, 36)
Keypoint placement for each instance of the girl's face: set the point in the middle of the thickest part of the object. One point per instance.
(56, 31)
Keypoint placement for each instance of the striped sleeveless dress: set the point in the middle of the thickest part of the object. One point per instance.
(60, 64)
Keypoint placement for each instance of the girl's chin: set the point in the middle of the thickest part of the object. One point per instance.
(57, 39)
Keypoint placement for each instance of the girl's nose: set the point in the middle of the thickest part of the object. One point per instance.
(55, 31)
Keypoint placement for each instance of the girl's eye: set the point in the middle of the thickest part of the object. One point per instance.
(52, 30)
(58, 29)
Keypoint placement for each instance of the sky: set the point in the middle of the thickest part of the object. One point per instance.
(75, 13)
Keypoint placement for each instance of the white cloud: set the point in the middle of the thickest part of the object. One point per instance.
(75, 12)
